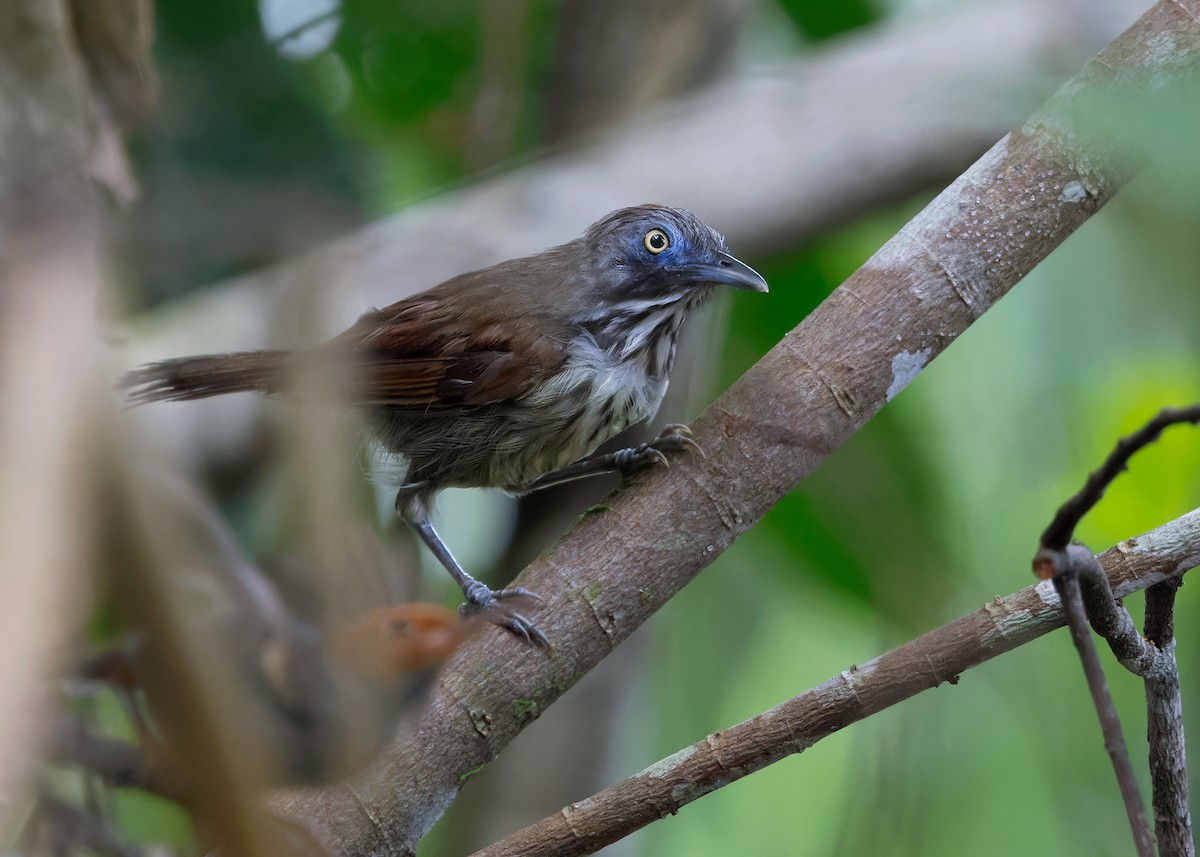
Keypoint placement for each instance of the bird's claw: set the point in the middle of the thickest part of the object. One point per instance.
(490, 604)
(675, 437)
(517, 592)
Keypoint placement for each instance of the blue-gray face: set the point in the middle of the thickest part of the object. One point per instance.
(654, 250)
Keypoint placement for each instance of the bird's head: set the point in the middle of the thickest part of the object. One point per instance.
(652, 252)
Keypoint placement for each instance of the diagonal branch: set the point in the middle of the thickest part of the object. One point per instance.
(772, 428)
(792, 727)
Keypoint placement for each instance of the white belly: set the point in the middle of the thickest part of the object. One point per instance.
(597, 397)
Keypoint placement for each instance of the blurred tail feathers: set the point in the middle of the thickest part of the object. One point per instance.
(207, 375)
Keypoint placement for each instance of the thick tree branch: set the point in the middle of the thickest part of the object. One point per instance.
(933, 658)
(771, 429)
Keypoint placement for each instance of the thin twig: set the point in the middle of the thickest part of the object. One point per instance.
(1058, 534)
(936, 657)
(1066, 583)
(1164, 728)
(1109, 618)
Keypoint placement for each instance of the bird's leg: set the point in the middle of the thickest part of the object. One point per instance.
(480, 598)
(675, 437)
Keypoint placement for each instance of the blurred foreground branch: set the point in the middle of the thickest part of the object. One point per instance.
(805, 398)
(50, 387)
(939, 656)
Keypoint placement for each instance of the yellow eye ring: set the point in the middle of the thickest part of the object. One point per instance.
(656, 241)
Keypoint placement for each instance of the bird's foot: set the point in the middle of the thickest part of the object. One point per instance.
(501, 607)
(675, 437)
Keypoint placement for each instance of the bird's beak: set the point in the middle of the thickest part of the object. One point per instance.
(727, 271)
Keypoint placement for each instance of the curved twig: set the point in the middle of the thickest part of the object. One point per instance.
(1058, 534)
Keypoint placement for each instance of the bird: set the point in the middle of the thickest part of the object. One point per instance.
(510, 376)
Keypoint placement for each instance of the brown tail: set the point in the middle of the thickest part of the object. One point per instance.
(207, 375)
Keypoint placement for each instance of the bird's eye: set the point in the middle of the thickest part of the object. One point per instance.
(656, 241)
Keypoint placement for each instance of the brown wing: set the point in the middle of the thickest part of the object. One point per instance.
(443, 349)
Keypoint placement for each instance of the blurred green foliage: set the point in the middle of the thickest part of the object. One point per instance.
(822, 20)
(930, 511)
